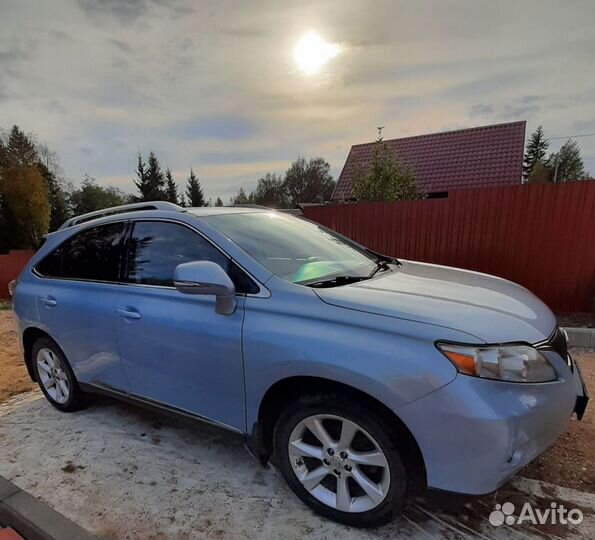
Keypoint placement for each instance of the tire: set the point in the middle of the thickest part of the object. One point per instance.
(57, 381)
(298, 451)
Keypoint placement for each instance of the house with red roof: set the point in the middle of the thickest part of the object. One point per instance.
(442, 162)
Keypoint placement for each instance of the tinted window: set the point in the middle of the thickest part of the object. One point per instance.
(242, 281)
(51, 265)
(93, 254)
(156, 248)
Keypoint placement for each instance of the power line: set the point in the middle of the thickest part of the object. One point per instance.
(571, 136)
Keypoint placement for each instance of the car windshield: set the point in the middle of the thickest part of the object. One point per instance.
(294, 249)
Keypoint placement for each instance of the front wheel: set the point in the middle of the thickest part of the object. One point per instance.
(341, 460)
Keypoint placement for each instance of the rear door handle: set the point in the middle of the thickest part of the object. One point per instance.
(129, 314)
(48, 301)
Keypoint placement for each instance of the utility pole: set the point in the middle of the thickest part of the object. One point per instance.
(557, 164)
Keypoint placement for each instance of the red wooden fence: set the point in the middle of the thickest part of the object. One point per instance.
(10, 267)
(541, 236)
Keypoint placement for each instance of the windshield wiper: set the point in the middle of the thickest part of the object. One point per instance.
(335, 281)
(381, 264)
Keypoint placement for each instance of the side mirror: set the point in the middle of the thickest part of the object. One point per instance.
(206, 277)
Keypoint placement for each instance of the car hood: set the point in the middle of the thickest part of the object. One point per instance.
(492, 309)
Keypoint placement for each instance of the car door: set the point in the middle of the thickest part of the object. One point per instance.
(176, 350)
(76, 293)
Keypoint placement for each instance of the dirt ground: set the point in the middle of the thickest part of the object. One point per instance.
(15, 378)
(577, 320)
(570, 462)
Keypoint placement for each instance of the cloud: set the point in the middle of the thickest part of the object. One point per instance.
(128, 11)
(212, 84)
(522, 107)
(120, 45)
(14, 57)
(124, 10)
(585, 126)
(224, 127)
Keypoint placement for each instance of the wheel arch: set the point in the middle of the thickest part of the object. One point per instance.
(30, 336)
(285, 391)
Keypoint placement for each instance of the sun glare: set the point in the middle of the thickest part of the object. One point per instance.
(312, 52)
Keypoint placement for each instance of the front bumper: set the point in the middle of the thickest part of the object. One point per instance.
(474, 434)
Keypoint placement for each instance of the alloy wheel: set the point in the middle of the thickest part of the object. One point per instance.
(339, 463)
(52, 375)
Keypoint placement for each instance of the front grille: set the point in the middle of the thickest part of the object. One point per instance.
(557, 342)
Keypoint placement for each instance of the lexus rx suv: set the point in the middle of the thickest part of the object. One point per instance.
(364, 377)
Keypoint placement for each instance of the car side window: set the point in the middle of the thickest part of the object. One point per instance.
(92, 254)
(156, 248)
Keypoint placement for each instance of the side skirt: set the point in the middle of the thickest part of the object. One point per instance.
(152, 405)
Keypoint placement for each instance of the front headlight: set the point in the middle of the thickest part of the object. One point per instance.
(514, 363)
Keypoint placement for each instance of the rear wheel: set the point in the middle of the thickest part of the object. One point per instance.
(55, 377)
(340, 459)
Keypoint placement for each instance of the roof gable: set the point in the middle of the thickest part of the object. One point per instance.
(474, 157)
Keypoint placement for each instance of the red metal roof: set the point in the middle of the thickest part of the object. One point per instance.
(479, 156)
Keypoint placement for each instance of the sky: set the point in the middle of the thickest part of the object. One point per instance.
(214, 85)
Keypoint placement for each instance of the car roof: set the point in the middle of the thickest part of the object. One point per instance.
(144, 209)
(205, 211)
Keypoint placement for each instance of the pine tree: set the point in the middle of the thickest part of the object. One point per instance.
(171, 189)
(241, 198)
(194, 191)
(218, 202)
(19, 149)
(141, 175)
(151, 180)
(535, 152)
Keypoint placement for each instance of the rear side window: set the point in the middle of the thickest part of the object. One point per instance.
(93, 254)
(156, 248)
(51, 265)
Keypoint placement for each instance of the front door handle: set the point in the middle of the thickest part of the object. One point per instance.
(48, 301)
(129, 314)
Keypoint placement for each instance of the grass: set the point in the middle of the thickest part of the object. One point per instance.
(5, 304)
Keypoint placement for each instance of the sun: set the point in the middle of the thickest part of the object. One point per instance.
(312, 52)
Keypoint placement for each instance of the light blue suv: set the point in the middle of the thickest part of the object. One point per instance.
(366, 377)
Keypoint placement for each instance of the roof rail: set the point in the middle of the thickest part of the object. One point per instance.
(152, 205)
(259, 206)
